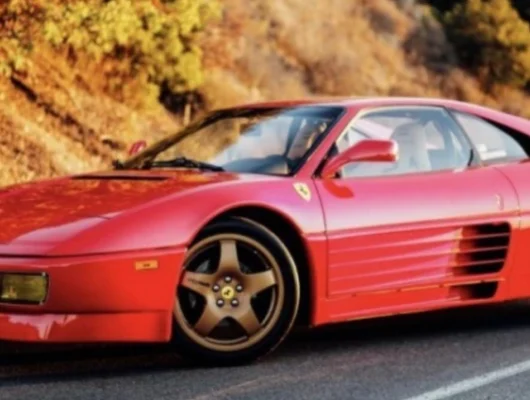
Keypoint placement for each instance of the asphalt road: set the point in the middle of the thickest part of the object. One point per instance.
(481, 353)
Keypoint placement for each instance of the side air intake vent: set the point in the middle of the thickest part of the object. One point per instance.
(482, 249)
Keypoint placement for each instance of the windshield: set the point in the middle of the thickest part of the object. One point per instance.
(253, 140)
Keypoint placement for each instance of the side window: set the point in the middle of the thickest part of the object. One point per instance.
(428, 140)
(351, 137)
(492, 143)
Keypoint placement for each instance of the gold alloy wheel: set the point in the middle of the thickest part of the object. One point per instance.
(230, 294)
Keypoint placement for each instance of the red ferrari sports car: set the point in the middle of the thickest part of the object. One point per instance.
(221, 237)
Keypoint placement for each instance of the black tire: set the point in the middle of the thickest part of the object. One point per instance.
(287, 310)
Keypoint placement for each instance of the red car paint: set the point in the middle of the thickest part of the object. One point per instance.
(379, 246)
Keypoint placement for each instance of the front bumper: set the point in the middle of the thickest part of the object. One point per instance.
(152, 326)
(116, 297)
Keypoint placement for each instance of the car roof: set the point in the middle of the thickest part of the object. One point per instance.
(361, 102)
(358, 103)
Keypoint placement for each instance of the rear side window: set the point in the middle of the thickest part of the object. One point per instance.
(493, 144)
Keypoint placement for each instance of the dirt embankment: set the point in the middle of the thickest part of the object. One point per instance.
(54, 121)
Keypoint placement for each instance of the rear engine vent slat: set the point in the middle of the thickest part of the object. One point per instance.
(470, 236)
(476, 263)
(476, 249)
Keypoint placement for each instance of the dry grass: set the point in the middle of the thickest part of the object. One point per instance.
(367, 47)
(333, 47)
(52, 122)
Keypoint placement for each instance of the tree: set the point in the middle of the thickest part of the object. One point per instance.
(148, 42)
(490, 37)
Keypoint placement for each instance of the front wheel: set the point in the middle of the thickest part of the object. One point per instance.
(238, 294)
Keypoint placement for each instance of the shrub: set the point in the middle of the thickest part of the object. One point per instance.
(490, 37)
(150, 42)
(18, 19)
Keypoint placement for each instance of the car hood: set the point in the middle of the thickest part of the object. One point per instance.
(36, 216)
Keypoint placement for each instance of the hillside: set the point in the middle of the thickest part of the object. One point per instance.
(55, 119)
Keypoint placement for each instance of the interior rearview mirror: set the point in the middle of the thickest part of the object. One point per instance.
(368, 150)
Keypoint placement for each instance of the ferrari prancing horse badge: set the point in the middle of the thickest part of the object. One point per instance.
(303, 190)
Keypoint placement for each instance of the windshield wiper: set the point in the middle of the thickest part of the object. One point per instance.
(184, 162)
(117, 164)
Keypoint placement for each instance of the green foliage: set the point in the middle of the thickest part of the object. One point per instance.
(17, 18)
(146, 41)
(13, 58)
(490, 37)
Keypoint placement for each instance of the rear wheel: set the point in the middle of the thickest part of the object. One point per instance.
(238, 294)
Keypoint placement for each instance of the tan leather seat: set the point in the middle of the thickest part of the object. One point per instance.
(412, 149)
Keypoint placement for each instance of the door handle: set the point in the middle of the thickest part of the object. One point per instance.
(499, 200)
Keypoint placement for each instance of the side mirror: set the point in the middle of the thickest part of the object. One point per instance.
(369, 150)
(137, 147)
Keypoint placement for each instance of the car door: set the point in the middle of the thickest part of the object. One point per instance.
(422, 236)
(506, 150)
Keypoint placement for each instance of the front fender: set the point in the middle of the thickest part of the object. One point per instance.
(174, 221)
